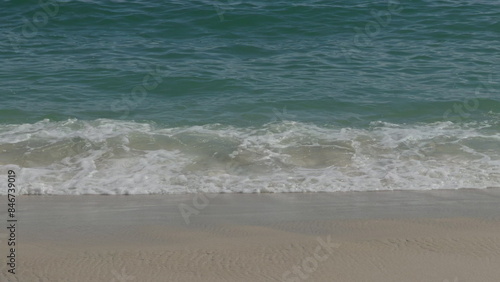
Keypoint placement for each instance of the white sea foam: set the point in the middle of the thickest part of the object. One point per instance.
(123, 157)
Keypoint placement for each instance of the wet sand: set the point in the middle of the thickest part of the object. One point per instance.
(440, 236)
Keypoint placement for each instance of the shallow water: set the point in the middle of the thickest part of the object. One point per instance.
(133, 97)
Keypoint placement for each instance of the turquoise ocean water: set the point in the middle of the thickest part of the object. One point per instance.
(146, 97)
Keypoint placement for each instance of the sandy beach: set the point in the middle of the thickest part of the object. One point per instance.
(248, 141)
(357, 236)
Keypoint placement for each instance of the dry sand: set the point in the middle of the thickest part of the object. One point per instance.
(366, 236)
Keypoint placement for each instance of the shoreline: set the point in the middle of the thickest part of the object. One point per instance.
(433, 235)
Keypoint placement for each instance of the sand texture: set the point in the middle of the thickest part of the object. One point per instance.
(369, 236)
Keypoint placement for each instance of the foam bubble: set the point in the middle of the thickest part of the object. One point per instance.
(124, 157)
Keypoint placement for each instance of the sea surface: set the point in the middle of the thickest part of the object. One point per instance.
(162, 97)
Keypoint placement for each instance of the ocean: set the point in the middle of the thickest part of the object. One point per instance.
(172, 97)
